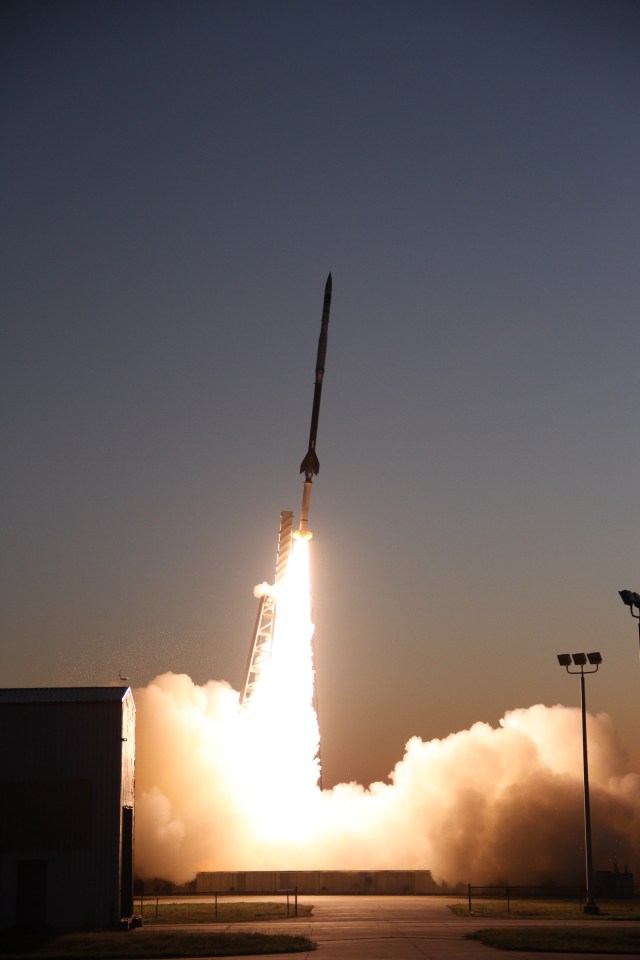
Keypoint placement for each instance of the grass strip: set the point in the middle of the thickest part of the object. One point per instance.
(590, 939)
(115, 945)
(230, 911)
(549, 909)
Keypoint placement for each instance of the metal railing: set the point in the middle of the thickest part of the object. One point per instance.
(291, 895)
(510, 892)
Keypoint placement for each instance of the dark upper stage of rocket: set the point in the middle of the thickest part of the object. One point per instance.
(310, 464)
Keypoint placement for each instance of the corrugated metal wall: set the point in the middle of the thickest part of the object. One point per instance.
(68, 760)
(390, 882)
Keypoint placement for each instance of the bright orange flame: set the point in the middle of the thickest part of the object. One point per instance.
(279, 726)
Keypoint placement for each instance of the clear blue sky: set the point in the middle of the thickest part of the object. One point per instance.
(178, 180)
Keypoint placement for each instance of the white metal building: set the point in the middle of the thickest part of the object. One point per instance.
(66, 806)
(389, 882)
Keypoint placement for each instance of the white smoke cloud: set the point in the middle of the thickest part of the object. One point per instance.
(482, 805)
(263, 589)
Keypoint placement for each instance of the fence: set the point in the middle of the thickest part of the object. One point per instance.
(510, 892)
(291, 896)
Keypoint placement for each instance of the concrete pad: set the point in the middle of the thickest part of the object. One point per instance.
(392, 928)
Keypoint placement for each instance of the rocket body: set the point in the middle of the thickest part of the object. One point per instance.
(310, 465)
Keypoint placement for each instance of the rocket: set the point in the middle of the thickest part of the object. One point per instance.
(310, 465)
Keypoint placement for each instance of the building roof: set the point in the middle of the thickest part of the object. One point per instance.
(62, 694)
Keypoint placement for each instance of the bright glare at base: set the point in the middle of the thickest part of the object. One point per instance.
(279, 727)
(302, 535)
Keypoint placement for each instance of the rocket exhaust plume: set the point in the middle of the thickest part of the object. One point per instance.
(223, 788)
(485, 805)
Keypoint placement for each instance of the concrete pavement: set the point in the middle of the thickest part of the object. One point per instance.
(393, 928)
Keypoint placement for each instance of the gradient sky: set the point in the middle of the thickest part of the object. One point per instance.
(178, 180)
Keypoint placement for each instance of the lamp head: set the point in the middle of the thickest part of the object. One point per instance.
(630, 598)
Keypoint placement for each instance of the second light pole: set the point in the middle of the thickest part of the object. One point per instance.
(580, 659)
(631, 599)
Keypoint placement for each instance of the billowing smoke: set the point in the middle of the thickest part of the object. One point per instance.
(483, 805)
(224, 788)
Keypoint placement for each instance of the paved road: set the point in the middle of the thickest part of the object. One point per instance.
(392, 928)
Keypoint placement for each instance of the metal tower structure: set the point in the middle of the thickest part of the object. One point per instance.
(262, 637)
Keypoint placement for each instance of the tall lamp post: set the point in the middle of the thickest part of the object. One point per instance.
(631, 600)
(579, 660)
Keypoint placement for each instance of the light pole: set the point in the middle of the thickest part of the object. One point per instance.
(579, 660)
(631, 600)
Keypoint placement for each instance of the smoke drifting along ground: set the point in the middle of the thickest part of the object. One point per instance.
(483, 805)
(224, 788)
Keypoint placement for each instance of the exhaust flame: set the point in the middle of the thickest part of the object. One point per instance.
(278, 736)
(221, 788)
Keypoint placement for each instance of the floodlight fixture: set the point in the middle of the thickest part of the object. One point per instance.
(631, 600)
(580, 660)
(628, 597)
